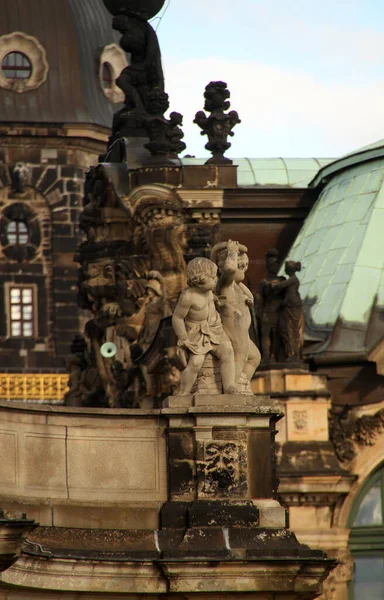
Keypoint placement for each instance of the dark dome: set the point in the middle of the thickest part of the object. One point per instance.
(73, 34)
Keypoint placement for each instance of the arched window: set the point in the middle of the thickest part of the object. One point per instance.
(366, 540)
(17, 233)
(16, 65)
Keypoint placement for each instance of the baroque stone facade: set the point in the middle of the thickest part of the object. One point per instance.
(194, 475)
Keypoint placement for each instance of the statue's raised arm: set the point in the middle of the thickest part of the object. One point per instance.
(234, 302)
(226, 256)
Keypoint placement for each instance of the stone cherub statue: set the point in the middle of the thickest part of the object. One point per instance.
(198, 326)
(234, 302)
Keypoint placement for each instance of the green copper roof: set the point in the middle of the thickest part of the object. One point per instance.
(341, 248)
(365, 154)
(286, 172)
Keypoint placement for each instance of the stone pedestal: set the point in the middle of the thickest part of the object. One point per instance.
(221, 447)
(223, 497)
(178, 502)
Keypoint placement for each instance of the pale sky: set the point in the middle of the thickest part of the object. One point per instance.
(306, 77)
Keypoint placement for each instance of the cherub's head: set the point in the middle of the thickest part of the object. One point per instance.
(202, 273)
(291, 266)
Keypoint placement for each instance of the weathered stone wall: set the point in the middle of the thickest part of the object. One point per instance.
(53, 196)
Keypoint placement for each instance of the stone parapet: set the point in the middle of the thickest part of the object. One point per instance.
(177, 500)
(83, 468)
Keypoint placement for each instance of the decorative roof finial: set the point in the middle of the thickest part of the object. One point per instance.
(218, 126)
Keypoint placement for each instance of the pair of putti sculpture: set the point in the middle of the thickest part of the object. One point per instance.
(213, 316)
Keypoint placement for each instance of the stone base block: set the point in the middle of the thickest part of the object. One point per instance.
(291, 381)
(204, 513)
(218, 400)
(272, 514)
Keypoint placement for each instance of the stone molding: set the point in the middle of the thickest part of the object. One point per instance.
(35, 52)
(203, 200)
(116, 59)
(297, 577)
(85, 576)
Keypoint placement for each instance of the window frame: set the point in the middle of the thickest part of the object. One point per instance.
(9, 286)
(366, 541)
(17, 68)
(18, 233)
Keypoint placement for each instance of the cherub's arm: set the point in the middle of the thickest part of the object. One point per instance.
(247, 292)
(230, 266)
(181, 311)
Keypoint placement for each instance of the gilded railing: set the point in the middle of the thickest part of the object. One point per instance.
(42, 387)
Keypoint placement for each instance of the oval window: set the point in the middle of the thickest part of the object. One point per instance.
(16, 65)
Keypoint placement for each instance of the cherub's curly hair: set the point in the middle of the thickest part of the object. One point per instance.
(198, 269)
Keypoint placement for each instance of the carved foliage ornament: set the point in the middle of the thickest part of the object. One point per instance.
(34, 51)
(346, 432)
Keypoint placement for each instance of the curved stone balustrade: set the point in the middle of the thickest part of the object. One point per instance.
(71, 467)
